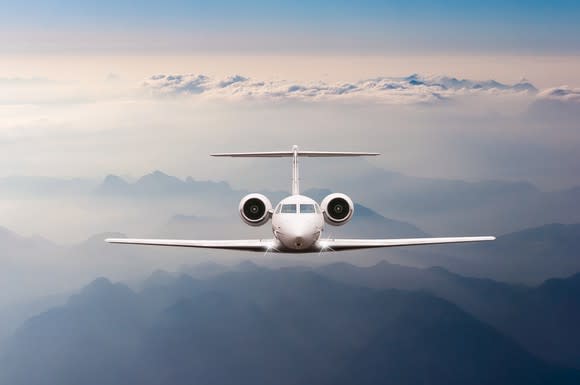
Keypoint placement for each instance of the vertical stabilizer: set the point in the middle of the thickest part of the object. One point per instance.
(295, 175)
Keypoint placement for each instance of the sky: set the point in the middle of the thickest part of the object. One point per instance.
(485, 90)
(366, 26)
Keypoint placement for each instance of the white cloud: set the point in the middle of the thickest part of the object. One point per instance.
(391, 90)
(171, 84)
(562, 93)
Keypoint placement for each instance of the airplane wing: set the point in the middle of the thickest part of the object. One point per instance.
(269, 244)
(243, 244)
(353, 244)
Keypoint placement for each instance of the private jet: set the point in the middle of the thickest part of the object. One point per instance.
(297, 221)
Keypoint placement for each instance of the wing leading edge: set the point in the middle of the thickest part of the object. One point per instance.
(323, 245)
(353, 244)
(243, 244)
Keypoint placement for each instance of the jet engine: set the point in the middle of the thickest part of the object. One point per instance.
(255, 209)
(337, 208)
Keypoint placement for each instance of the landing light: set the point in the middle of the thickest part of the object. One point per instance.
(270, 246)
(324, 245)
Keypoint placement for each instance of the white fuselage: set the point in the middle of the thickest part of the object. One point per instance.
(297, 223)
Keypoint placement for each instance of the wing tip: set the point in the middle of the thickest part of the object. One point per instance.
(114, 240)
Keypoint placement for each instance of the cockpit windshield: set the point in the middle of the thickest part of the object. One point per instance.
(307, 209)
(288, 209)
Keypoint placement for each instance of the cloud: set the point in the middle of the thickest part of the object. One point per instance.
(391, 90)
(175, 84)
(562, 94)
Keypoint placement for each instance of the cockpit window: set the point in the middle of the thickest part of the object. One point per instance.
(288, 209)
(307, 209)
(278, 209)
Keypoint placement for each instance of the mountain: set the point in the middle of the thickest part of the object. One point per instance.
(159, 183)
(439, 206)
(446, 205)
(113, 184)
(38, 186)
(543, 319)
(447, 82)
(528, 256)
(24, 261)
(12, 316)
(263, 326)
(369, 223)
(546, 319)
(12, 241)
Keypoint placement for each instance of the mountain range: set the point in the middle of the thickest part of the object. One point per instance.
(438, 206)
(527, 256)
(541, 318)
(257, 325)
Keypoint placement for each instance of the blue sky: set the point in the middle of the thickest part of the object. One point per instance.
(313, 10)
(368, 25)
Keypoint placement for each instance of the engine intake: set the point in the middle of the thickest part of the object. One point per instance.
(338, 209)
(255, 209)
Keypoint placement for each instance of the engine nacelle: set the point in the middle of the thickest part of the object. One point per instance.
(337, 208)
(255, 209)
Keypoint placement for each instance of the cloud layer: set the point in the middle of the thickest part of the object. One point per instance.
(562, 94)
(391, 90)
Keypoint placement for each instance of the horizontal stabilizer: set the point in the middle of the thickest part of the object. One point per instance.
(295, 153)
(289, 154)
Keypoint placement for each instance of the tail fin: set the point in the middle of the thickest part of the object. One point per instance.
(295, 153)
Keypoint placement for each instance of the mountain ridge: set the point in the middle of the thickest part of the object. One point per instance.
(260, 326)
